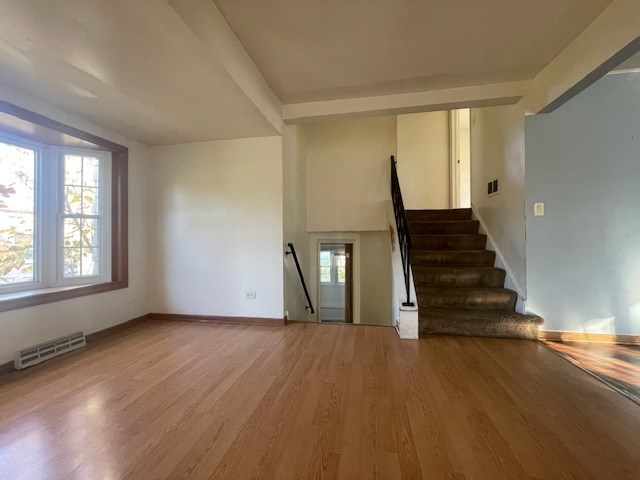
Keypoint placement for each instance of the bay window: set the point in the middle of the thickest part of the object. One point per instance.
(63, 212)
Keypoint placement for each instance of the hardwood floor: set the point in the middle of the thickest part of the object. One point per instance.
(616, 365)
(190, 400)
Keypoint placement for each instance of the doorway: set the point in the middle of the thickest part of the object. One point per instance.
(335, 280)
(460, 149)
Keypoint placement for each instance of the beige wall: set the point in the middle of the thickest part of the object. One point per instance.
(294, 186)
(497, 151)
(375, 278)
(28, 326)
(219, 208)
(423, 159)
(348, 173)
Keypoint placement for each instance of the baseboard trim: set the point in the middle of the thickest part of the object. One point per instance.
(558, 336)
(499, 256)
(180, 317)
(92, 337)
(6, 367)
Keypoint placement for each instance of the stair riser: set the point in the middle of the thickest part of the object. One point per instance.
(462, 278)
(437, 326)
(444, 228)
(494, 301)
(445, 258)
(449, 242)
(435, 215)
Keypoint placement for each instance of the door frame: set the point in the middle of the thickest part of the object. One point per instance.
(315, 240)
(454, 159)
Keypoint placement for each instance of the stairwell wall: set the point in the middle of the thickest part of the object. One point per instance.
(423, 159)
(498, 152)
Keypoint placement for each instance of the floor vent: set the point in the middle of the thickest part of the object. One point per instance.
(44, 351)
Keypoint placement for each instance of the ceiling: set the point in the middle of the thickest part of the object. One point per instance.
(134, 67)
(311, 50)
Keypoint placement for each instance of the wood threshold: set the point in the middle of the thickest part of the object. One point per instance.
(179, 317)
(559, 336)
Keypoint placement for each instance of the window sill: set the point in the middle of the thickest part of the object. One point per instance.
(30, 298)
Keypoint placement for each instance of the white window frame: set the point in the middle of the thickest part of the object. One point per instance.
(49, 213)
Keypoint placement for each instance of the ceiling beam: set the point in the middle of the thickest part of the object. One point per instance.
(432, 100)
(209, 26)
(609, 40)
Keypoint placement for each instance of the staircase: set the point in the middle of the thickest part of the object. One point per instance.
(459, 290)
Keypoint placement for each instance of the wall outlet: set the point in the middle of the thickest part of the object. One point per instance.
(538, 209)
(251, 295)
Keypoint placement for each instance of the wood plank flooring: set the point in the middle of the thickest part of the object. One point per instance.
(188, 400)
(616, 365)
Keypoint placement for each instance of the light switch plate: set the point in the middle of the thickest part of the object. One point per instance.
(538, 209)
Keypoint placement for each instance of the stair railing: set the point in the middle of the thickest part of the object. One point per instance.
(402, 225)
(292, 251)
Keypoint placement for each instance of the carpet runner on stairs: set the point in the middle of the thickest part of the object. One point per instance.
(459, 290)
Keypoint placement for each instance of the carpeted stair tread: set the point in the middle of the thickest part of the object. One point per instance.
(482, 258)
(481, 298)
(458, 288)
(482, 323)
(459, 276)
(444, 227)
(435, 215)
(458, 241)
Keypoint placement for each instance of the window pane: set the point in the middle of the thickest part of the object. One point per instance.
(73, 200)
(72, 262)
(72, 232)
(90, 171)
(325, 274)
(73, 170)
(90, 232)
(342, 271)
(90, 262)
(90, 201)
(17, 202)
(325, 259)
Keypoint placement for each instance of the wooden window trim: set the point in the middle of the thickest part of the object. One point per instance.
(119, 218)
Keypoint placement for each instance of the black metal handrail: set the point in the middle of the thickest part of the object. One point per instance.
(404, 235)
(292, 251)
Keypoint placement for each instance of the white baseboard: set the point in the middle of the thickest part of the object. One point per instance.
(510, 280)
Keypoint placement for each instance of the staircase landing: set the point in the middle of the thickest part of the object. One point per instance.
(459, 290)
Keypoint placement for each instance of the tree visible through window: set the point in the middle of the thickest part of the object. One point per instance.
(17, 206)
(54, 222)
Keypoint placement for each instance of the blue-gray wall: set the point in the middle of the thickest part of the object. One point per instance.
(583, 255)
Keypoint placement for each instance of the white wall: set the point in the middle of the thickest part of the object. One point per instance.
(497, 151)
(583, 255)
(423, 159)
(348, 174)
(27, 326)
(220, 227)
(294, 187)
